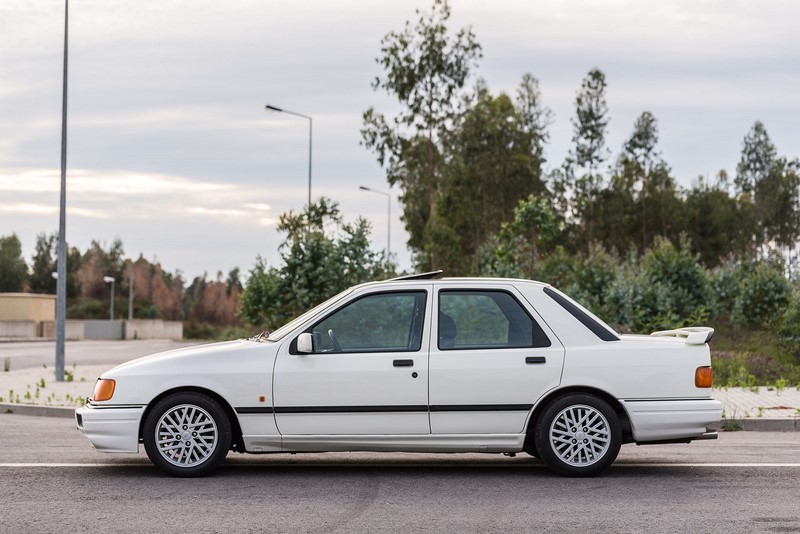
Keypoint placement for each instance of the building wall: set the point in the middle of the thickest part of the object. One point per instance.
(27, 307)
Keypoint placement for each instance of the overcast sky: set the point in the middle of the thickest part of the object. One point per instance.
(171, 150)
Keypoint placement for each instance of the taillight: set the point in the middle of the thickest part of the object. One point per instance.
(703, 377)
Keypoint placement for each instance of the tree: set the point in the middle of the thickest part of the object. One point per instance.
(589, 124)
(638, 159)
(758, 157)
(13, 269)
(718, 225)
(426, 68)
(97, 263)
(43, 264)
(321, 256)
(516, 249)
(498, 154)
(777, 202)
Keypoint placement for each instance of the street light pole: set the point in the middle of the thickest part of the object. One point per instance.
(61, 282)
(388, 218)
(110, 280)
(310, 132)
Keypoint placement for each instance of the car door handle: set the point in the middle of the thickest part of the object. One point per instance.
(535, 359)
(403, 363)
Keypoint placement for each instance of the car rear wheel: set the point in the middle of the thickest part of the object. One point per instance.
(187, 434)
(578, 435)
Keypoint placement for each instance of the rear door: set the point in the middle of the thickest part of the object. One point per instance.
(491, 358)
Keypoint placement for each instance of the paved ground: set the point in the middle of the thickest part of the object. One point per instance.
(51, 481)
(31, 380)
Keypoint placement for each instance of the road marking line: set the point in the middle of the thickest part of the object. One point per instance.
(380, 464)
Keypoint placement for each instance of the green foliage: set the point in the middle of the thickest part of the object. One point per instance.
(43, 264)
(515, 250)
(13, 270)
(763, 291)
(788, 328)
(321, 256)
(425, 68)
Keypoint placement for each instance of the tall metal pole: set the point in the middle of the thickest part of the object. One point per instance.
(310, 135)
(61, 283)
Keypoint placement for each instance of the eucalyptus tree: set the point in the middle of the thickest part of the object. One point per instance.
(426, 67)
(589, 126)
(498, 155)
(638, 160)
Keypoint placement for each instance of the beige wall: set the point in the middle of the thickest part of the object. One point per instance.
(27, 307)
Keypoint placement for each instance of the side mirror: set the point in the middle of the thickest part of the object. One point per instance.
(305, 343)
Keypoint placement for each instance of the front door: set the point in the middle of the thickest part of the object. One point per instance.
(368, 374)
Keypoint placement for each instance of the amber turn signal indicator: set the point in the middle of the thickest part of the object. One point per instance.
(103, 389)
(703, 377)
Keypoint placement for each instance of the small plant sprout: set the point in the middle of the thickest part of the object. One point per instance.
(780, 385)
(760, 411)
(41, 383)
(69, 376)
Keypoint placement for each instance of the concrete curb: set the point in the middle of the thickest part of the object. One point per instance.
(32, 409)
(761, 425)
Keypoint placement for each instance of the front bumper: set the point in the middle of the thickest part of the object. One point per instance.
(656, 420)
(111, 428)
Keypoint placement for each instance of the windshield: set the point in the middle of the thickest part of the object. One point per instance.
(294, 323)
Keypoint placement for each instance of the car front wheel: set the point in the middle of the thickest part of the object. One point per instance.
(578, 435)
(187, 434)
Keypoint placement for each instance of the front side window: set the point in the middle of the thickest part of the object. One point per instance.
(486, 319)
(384, 322)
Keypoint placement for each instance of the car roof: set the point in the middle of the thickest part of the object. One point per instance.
(425, 280)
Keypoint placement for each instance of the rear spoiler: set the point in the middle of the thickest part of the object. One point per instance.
(692, 335)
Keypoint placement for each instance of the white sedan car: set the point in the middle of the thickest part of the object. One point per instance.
(415, 364)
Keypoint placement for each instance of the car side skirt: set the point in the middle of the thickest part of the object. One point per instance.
(388, 443)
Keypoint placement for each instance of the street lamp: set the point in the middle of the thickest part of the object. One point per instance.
(388, 218)
(110, 280)
(281, 110)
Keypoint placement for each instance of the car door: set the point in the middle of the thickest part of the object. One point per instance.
(367, 374)
(491, 358)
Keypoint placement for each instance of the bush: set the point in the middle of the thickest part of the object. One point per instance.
(787, 328)
(763, 291)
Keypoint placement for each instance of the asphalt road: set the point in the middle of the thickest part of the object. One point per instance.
(52, 481)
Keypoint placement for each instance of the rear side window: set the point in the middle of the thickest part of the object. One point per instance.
(485, 319)
(588, 321)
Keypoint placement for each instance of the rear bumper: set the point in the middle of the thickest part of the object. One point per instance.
(111, 429)
(656, 420)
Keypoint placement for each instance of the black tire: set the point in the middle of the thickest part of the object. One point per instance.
(201, 432)
(582, 450)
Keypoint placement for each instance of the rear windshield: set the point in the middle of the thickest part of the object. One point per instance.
(587, 318)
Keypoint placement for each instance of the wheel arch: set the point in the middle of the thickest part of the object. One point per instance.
(237, 443)
(625, 422)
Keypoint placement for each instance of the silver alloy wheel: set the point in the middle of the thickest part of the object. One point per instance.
(186, 435)
(580, 435)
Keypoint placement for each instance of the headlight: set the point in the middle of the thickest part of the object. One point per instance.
(103, 389)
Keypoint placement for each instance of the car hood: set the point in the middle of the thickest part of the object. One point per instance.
(188, 358)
